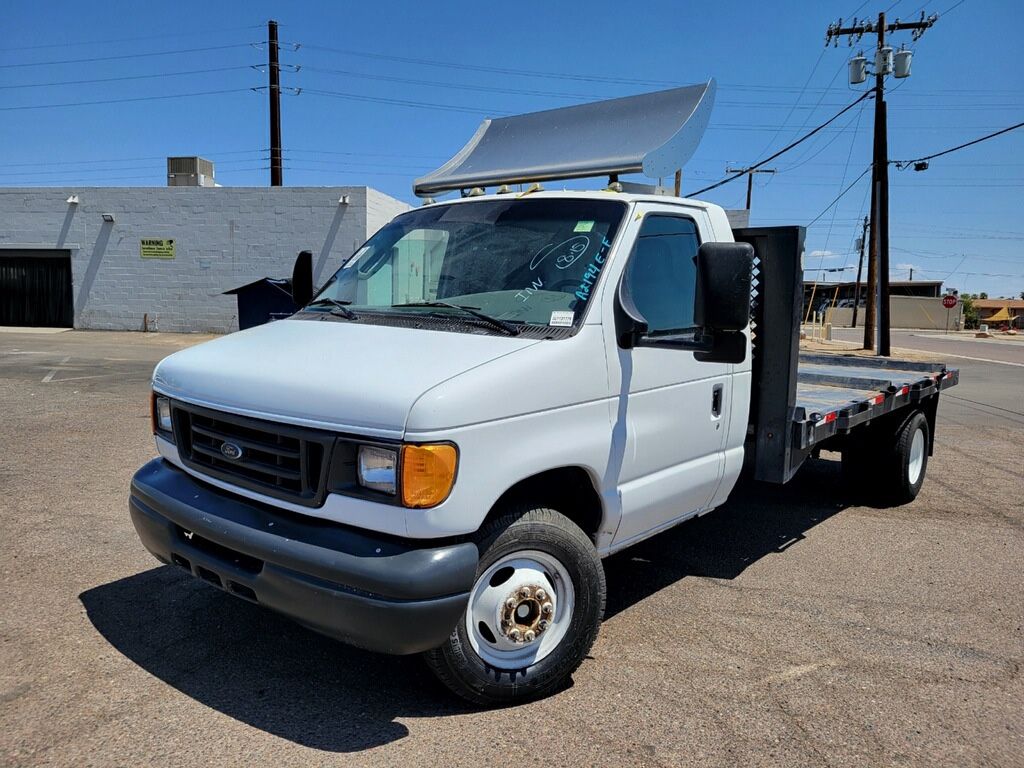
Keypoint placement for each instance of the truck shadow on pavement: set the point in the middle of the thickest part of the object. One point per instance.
(758, 520)
(274, 675)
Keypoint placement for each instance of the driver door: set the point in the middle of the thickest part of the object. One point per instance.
(673, 409)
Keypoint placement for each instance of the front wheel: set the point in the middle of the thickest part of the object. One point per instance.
(533, 613)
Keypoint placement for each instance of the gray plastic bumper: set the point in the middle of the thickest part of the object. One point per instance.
(377, 592)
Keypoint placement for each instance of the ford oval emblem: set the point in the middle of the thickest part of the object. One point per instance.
(231, 451)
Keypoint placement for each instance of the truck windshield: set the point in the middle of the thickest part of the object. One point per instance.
(523, 262)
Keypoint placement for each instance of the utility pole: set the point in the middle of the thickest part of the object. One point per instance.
(274, 70)
(860, 266)
(878, 250)
(750, 178)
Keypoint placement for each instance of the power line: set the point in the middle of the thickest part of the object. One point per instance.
(126, 77)
(785, 149)
(402, 102)
(150, 166)
(129, 39)
(122, 101)
(839, 197)
(124, 159)
(846, 168)
(495, 70)
(901, 164)
(93, 180)
(455, 86)
(800, 95)
(126, 56)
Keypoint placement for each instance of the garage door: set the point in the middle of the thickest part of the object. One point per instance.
(35, 288)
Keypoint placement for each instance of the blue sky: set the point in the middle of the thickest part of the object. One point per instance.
(960, 221)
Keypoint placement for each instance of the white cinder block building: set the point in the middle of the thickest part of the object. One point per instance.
(108, 257)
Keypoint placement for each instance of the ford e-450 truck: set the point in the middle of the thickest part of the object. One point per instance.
(490, 396)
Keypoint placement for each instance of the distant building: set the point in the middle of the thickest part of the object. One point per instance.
(842, 293)
(999, 312)
(121, 258)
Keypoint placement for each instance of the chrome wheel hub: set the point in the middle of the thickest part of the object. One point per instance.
(526, 613)
(520, 609)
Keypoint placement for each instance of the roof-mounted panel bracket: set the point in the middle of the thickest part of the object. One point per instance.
(651, 133)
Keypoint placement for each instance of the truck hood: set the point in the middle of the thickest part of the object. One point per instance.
(329, 374)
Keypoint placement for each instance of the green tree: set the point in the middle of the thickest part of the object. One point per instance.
(970, 311)
(982, 295)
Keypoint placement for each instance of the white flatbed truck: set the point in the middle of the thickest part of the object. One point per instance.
(490, 396)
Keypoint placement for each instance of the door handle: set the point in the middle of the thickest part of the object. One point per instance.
(716, 400)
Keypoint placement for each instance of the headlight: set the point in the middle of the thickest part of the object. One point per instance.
(161, 414)
(378, 469)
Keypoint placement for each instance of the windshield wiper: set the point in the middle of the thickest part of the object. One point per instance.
(338, 308)
(503, 325)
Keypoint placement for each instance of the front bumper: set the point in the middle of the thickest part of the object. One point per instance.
(376, 592)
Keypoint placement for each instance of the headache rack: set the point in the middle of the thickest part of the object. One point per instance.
(799, 401)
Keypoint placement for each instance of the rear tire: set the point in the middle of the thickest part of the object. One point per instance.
(533, 613)
(909, 460)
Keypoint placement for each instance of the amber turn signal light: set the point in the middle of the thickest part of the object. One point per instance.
(428, 474)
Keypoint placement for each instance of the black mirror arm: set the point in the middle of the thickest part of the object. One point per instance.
(630, 325)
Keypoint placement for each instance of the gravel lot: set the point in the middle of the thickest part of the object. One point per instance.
(788, 628)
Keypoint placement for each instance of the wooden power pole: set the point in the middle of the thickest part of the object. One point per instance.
(878, 248)
(860, 267)
(750, 179)
(274, 71)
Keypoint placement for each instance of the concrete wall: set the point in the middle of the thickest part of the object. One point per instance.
(224, 237)
(905, 312)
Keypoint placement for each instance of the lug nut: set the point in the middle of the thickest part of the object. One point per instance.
(543, 624)
(515, 635)
(525, 591)
(542, 595)
(510, 603)
(529, 636)
(547, 608)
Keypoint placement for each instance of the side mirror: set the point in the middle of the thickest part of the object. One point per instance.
(722, 304)
(724, 274)
(302, 279)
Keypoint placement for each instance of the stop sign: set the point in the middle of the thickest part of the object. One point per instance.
(949, 301)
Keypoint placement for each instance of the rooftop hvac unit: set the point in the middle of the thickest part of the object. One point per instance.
(189, 172)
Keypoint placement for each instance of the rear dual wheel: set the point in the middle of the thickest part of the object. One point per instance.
(890, 465)
(533, 612)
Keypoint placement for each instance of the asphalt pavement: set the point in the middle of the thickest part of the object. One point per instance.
(791, 627)
(951, 346)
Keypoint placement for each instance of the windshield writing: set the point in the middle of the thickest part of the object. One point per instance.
(519, 261)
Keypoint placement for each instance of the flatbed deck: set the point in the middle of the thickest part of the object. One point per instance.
(836, 393)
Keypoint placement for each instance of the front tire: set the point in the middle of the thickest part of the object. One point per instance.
(533, 612)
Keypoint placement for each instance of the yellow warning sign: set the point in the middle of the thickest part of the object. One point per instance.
(151, 248)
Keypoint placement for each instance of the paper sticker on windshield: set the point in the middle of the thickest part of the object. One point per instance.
(584, 226)
(354, 258)
(562, 318)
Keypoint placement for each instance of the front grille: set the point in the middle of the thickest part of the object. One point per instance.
(279, 460)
